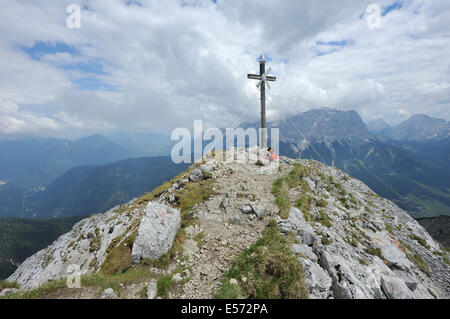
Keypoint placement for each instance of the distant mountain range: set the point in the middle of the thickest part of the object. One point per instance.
(414, 173)
(30, 162)
(417, 128)
(85, 190)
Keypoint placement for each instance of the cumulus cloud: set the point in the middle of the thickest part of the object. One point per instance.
(160, 65)
(14, 121)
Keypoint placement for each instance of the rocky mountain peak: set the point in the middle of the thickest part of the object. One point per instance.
(421, 127)
(322, 125)
(225, 226)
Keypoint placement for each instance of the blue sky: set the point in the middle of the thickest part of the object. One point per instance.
(86, 70)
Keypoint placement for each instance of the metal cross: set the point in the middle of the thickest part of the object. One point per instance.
(263, 78)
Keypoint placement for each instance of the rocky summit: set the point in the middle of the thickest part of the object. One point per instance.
(237, 226)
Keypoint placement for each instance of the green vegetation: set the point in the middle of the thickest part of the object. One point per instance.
(388, 227)
(194, 193)
(420, 240)
(353, 199)
(324, 219)
(119, 251)
(343, 200)
(321, 203)
(43, 290)
(304, 204)
(130, 276)
(362, 261)
(281, 191)
(272, 271)
(352, 240)
(419, 262)
(229, 291)
(326, 240)
(374, 252)
(199, 239)
(164, 284)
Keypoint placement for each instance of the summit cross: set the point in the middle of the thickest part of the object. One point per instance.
(263, 79)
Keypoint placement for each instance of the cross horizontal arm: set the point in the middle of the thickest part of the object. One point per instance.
(258, 77)
(254, 76)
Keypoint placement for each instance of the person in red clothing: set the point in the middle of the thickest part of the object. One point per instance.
(272, 155)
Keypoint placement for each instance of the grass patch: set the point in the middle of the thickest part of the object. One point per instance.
(389, 228)
(143, 293)
(353, 240)
(321, 203)
(324, 220)
(164, 284)
(229, 291)
(194, 193)
(119, 252)
(272, 271)
(304, 204)
(353, 199)
(103, 281)
(325, 240)
(362, 261)
(375, 252)
(281, 186)
(281, 192)
(199, 239)
(420, 240)
(419, 262)
(45, 289)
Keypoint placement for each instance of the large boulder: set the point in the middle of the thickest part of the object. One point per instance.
(392, 253)
(317, 279)
(395, 288)
(156, 232)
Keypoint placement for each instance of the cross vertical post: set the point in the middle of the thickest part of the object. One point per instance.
(262, 70)
(263, 78)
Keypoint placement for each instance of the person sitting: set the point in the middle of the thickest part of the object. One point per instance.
(271, 154)
(273, 157)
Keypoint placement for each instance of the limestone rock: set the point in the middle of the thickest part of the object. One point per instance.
(151, 290)
(196, 175)
(395, 288)
(156, 232)
(109, 294)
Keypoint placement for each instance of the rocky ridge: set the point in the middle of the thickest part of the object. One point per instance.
(350, 242)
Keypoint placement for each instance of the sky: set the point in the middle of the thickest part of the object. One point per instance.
(157, 65)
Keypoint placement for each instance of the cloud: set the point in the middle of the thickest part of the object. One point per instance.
(14, 121)
(153, 65)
